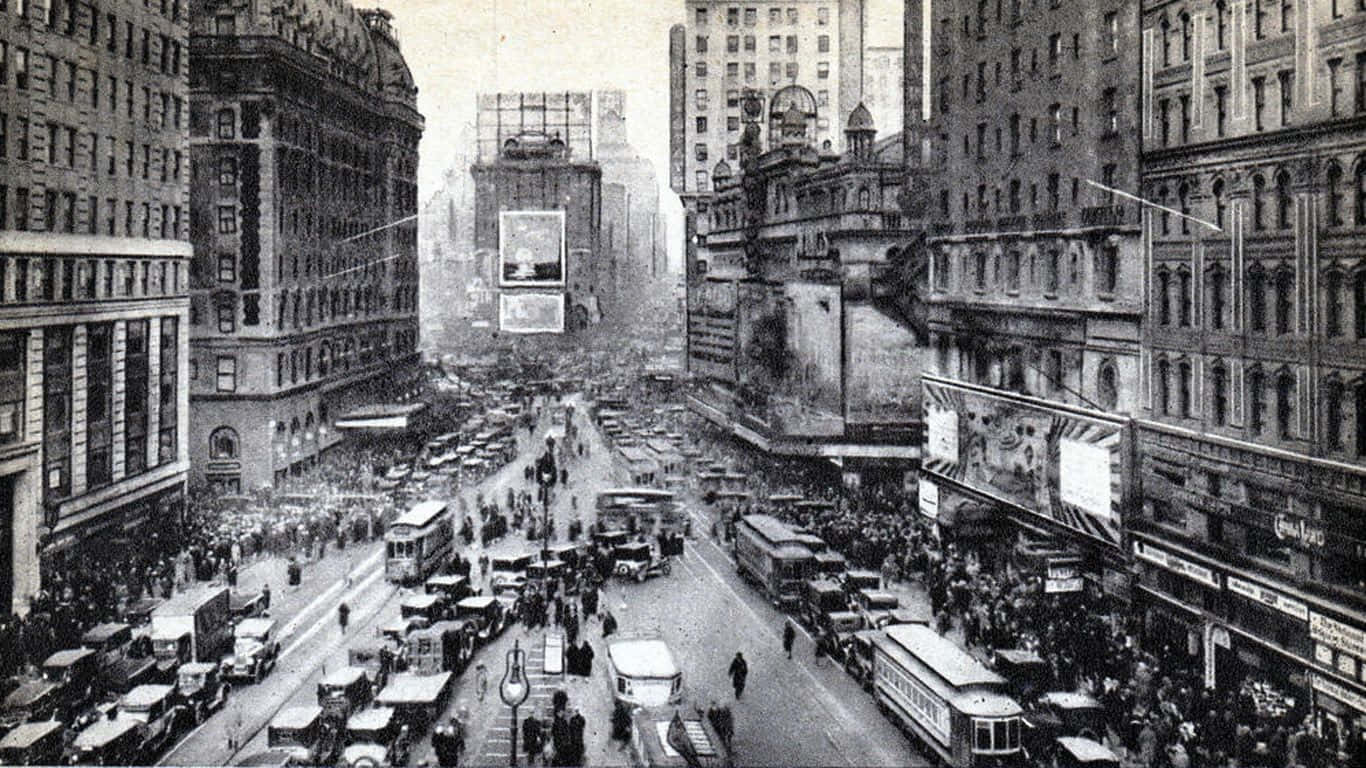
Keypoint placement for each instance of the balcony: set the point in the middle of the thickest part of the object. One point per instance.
(1106, 216)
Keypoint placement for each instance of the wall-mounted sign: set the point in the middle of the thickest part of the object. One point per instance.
(1273, 599)
(1341, 636)
(1348, 697)
(941, 429)
(929, 499)
(531, 250)
(1084, 476)
(1176, 564)
(1290, 528)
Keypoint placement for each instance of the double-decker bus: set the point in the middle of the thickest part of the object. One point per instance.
(419, 543)
(946, 699)
(770, 554)
(638, 509)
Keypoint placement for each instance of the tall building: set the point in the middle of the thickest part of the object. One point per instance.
(304, 135)
(1034, 292)
(883, 94)
(1251, 543)
(638, 233)
(731, 48)
(93, 280)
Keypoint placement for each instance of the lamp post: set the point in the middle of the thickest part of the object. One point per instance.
(545, 477)
(514, 689)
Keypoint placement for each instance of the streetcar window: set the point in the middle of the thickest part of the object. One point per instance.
(1014, 742)
(390, 547)
(983, 738)
(621, 685)
(1000, 735)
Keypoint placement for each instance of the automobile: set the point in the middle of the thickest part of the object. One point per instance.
(875, 606)
(202, 689)
(65, 685)
(344, 691)
(397, 472)
(246, 605)
(125, 657)
(857, 580)
(837, 627)
(509, 571)
(446, 646)
(487, 613)
(1025, 671)
(452, 587)
(376, 660)
(858, 657)
(1061, 714)
(271, 758)
(417, 700)
(139, 613)
(638, 561)
(300, 732)
(108, 742)
(414, 612)
(568, 552)
(108, 640)
(546, 570)
(157, 709)
(37, 743)
(374, 738)
(1077, 752)
(255, 649)
(822, 597)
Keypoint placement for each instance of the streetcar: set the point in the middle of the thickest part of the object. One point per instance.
(419, 543)
(768, 553)
(617, 507)
(945, 699)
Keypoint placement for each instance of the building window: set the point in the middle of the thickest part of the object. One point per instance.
(223, 443)
(1285, 300)
(99, 404)
(1220, 110)
(1219, 394)
(1332, 304)
(226, 124)
(1183, 279)
(1333, 194)
(1360, 408)
(226, 380)
(1013, 270)
(1107, 268)
(1110, 41)
(1107, 385)
(1163, 387)
(822, 70)
(1164, 301)
(822, 43)
(700, 151)
(980, 270)
(1217, 300)
(1259, 103)
(701, 44)
(1183, 391)
(1286, 79)
(702, 185)
(1258, 203)
(1285, 405)
(227, 219)
(1220, 24)
(1256, 399)
(1284, 201)
(1332, 414)
(1256, 298)
(1052, 265)
(700, 98)
(701, 124)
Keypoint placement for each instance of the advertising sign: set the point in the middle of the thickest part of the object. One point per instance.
(1337, 634)
(1176, 564)
(711, 329)
(762, 358)
(531, 250)
(1061, 464)
(884, 368)
(929, 499)
(807, 397)
(531, 312)
(1270, 598)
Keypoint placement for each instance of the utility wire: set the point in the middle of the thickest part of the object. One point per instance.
(1150, 203)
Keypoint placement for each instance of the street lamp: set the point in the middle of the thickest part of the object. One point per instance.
(514, 689)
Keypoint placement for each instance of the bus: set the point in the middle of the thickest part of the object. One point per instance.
(638, 509)
(768, 553)
(945, 698)
(419, 543)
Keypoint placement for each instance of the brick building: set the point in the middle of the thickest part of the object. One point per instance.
(1251, 544)
(93, 279)
(1035, 303)
(304, 134)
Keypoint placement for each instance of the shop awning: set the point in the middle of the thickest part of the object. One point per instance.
(385, 416)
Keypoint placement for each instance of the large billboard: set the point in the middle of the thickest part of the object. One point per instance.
(885, 363)
(711, 329)
(531, 312)
(565, 115)
(807, 398)
(762, 356)
(1062, 464)
(531, 250)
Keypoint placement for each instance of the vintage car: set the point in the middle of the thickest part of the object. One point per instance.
(1076, 752)
(378, 661)
(509, 571)
(858, 657)
(300, 732)
(546, 570)
(125, 659)
(1025, 671)
(1059, 714)
(638, 561)
(255, 649)
(65, 686)
(38, 743)
(875, 606)
(201, 689)
(857, 580)
(414, 612)
(374, 737)
(830, 564)
(417, 700)
(569, 553)
(451, 587)
(837, 628)
(246, 605)
(487, 614)
(344, 691)
(446, 646)
(108, 640)
(108, 742)
(157, 709)
(822, 597)
(139, 613)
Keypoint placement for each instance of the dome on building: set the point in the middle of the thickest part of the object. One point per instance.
(860, 119)
(336, 30)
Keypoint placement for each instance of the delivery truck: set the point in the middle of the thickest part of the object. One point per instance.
(192, 626)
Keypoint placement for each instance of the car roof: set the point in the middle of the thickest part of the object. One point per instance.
(294, 718)
(477, 601)
(26, 734)
(255, 626)
(102, 632)
(642, 658)
(370, 719)
(68, 657)
(104, 731)
(343, 677)
(194, 667)
(145, 695)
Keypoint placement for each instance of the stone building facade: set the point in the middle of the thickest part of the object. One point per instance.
(304, 134)
(1251, 543)
(93, 279)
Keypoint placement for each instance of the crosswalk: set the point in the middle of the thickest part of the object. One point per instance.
(497, 744)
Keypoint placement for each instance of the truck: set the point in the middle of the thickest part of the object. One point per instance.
(192, 626)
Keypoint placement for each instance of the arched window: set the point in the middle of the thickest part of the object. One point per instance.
(980, 272)
(1183, 388)
(1183, 195)
(1285, 405)
(1258, 202)
(1015, 377)
(223, 443)
(1164, 297)
(1164, 393)
(1333, 196)
(1284, 201)
(1217, 287)
(1332, 303)
(1332, 414)
(1185, 37)
(1166, 31)
(1107, 386)
(1220, 202)
(1359, 303)
(864, 199)
(1183, 280)
(1164, 216)
(1256, 401)
(227, 171)
(1285, 300)
(1218, 386)
(1256, 298)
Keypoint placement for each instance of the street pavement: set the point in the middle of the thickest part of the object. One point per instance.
(794, 712)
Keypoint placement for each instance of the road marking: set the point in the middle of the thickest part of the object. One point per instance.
(324, 619)
(293, 624)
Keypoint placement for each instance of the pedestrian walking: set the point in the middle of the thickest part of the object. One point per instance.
(265, 597)
(531, 738)
(739, 670)
(789, 636)
(235, 729)
(609, 624)
(343, 616)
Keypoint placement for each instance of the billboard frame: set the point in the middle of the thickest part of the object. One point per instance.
(503, 282)
(503, 298)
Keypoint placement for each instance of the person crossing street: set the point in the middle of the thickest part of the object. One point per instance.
(789, 636)
(739, 670)
(343, 616)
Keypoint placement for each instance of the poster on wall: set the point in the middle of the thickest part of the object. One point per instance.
(1062, 464)
(531, 312)
(807, 398)
(762, 358)
(711, 329)
(531, 250)
(885, 361)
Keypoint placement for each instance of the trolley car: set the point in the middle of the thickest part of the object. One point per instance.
(419, 543)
